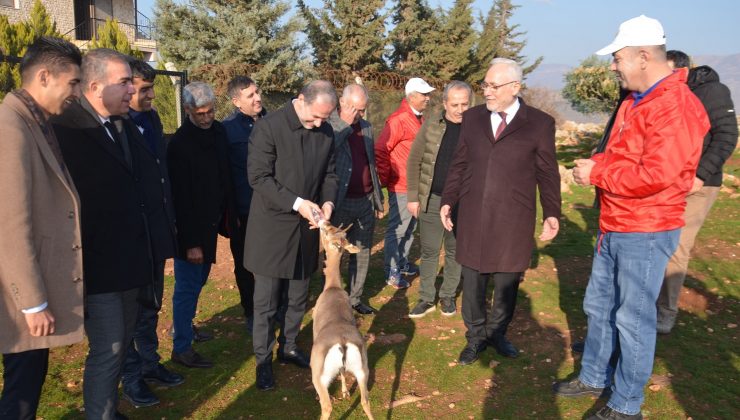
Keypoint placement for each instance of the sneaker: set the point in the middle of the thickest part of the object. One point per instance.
(396, 281)
(576, 388)
(607, 413)
(410, 270)
(448, 307)
(422, 308)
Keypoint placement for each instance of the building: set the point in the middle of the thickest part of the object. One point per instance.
(79, 19)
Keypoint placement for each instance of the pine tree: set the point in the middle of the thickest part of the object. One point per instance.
(198, 32)
(414, 20)
(499, 39)
(165, 101)
(454, 43)
(346, 34)
(110, 35)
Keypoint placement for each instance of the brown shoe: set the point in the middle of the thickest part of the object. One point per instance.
(191, 359)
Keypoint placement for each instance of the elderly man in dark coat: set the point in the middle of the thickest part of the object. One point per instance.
(494, 179)
(202, 190)
(290, 165)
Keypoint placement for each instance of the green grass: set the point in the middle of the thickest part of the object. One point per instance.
(700, 358)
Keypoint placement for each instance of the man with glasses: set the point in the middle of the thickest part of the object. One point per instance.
(506, 151)
(391, 153)
(199, 170)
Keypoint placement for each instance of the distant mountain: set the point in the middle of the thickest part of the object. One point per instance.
(548, 75)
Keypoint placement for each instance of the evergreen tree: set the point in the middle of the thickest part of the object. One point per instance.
(414, 20)
(591, 87)
(198, 32)
(499, 39)
(165, 101)
(346, 34)
(453, 45)
(110, 35)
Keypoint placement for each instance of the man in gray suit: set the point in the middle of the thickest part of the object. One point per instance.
(360, 198)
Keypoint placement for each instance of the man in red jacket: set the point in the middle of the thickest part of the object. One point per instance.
(643, 177)
(391, 153)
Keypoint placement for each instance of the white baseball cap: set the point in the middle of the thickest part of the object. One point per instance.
(636, 32)
(417, 84)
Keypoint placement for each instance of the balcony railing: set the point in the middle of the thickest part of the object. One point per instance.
(88, 29)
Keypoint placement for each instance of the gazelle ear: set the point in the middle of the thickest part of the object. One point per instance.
(351, 248)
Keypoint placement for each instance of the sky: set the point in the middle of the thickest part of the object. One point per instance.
(567, 31)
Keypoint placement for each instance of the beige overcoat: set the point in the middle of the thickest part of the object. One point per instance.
(40, 254)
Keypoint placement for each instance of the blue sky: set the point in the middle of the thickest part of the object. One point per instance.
(567, 31)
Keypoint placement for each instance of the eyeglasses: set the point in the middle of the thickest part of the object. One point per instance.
(484, 85)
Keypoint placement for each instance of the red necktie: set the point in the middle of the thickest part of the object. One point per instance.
(501, 126)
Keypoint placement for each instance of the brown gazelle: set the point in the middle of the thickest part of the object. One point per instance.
(337, 344)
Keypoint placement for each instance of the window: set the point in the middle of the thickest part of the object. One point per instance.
(8, 3)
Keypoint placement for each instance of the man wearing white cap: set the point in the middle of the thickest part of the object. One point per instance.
(391, 153)
(643, 177)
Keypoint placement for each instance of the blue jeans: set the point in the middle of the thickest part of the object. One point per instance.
(620, 300)
(399, 234)
(189, 280)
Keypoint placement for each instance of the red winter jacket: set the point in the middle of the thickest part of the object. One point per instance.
(393, 147)
(650, 162)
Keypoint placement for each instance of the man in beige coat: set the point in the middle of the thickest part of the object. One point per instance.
(41, 269)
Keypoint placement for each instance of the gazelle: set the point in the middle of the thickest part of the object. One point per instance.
(337, 344)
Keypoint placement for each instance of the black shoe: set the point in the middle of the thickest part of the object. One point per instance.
(296, 357)
(191, 359)
(578, 346)
(139, 394)
(447, 306)
(162, 376)
(119, 416)
(265, 381)
(200, 336)
(607, 413)
(470, 353)
(576, 388)
(363, 309)
(422, 308)
(503, 346)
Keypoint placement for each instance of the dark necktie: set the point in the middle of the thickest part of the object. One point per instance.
(113, 132)
(501, 126)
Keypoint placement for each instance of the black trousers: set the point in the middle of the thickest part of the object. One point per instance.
(481, 326)
(23, 377)
(244, 278)
(268, 294)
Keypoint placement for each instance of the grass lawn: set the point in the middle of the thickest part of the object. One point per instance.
(412, 363)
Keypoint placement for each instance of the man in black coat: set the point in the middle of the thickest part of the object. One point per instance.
(290, 168)
(202, 191)
(108, 167)
(719, 143)
(142, 361)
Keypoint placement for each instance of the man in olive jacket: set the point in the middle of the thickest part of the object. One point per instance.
(41, 269)
(291, 168)
(426, 171)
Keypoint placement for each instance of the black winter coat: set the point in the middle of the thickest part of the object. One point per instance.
(286, 161)
(201, 186)
(720, 141)
(115, 245)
